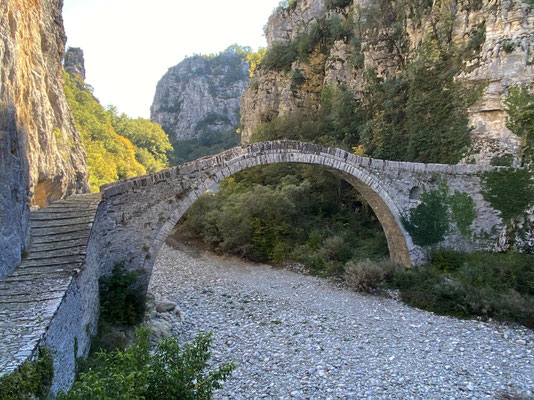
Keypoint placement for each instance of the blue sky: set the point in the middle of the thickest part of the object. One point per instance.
(130, 44)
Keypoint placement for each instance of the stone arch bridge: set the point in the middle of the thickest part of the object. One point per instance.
(52, 297)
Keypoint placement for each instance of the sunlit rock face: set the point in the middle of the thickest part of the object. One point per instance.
(200, 94)
(41, 157)
(506, 59)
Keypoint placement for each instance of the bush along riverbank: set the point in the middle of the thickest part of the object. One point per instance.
(483, 285)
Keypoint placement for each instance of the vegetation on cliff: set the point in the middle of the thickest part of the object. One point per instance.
(415, 110)
(117, 147)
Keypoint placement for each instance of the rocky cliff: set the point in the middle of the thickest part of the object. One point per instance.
(201, 95)
(501, 31)
(74, 63)
(41, 158)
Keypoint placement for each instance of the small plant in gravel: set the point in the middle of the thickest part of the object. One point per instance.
(366, 275)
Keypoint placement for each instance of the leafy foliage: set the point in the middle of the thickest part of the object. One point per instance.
(172, 371)
(280, 212)
(122, 299)
(31, 380)
(254, 60)
(509, 190)
(366, 275)
(429, 222)
(499, 286)
(332, 4)
(336, 123)
(206, 144)
(321, 35)
(110, 155)
(463, 213)
(520, 108)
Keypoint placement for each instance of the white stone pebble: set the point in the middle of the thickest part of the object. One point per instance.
(293, 336)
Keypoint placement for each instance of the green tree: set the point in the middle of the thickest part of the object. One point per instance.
(117, 147)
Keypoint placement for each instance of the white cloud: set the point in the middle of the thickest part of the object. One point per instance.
(130, 44)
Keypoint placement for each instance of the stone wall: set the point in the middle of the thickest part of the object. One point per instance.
(41, 157)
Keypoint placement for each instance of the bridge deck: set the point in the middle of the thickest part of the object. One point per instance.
(31, 295)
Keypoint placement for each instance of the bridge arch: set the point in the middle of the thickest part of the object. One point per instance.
(350, 167)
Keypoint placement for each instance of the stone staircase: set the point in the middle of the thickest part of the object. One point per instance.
(31, 295)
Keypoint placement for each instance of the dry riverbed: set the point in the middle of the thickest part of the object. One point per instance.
(298, 337)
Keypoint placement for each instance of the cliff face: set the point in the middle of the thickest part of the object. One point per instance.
(200, 95)
(505, 59)
(74, 63)
(41, 158)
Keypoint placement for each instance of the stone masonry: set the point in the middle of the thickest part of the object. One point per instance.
(51, 299)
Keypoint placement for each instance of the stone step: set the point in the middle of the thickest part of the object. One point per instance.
(59, 238)
(71, 251)
(59, 260)
(56, 216)
(61, 222)
(64, 210)
(26, 284)
(55, 230)
(60, 245)
(53, 271)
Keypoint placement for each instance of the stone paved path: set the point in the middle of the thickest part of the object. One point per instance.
(295, 336)
(32, 293)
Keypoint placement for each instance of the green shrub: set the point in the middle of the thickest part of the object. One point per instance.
(428, 223)
(509, 190)
(520, 108)
(331, 4)
(122, 299)
(283, 212)
(506, 160)
(463, 213)
(366, 275)
(499, 286)
(171, 371)
(446, 260)
(30, 380)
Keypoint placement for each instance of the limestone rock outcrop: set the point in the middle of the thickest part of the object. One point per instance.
(41, 157)
(74, 63)
(200, 95)
(506, 59)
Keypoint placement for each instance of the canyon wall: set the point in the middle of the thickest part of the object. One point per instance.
(41, 157)
(201, 95)
(505, 59)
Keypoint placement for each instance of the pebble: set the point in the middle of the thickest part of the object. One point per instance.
(293, 336)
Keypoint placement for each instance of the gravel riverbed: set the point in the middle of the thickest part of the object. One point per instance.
(293, 336)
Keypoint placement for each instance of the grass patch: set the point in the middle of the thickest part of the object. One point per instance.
(499, 286)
